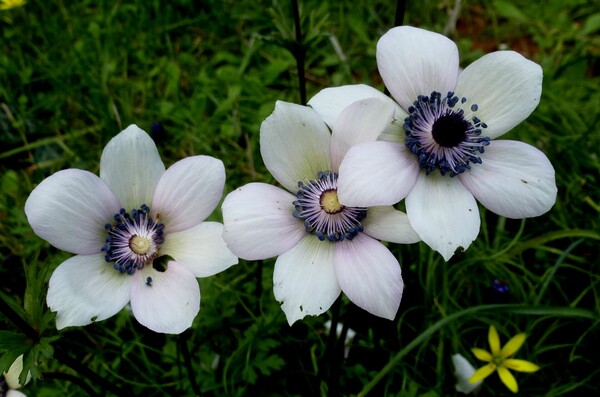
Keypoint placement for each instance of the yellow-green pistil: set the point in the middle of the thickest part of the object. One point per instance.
(322, 213)
(329, 202)
(499, 360)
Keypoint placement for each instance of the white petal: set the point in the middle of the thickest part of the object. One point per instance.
(69, 210)
(362, 121)
(201, 249)
(443, 213)
(259, 223)
(506, 88)
(369, 275)
(330, 102)
(12, 375)
(515, 180)
(463, 370)
(188, 192)
(165, 302)
(84, 289)
(131, 166)
(294, 144)
(388, 224)
(15, 393)
(415, 62)
(304, 279)
(376, 173)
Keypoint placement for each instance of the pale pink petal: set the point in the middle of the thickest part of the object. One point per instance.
(369, 275)
(165, 302)
(415, 62)
(515, 180)
(188, 192)
(201, 249)
(330, 102)
(85, 288)
(443, 212)
(294, 144)
(304, 279)
(362, 121)
(258, 221)
(506, 88)
(131, 166)
(388, 224)
(376, 173)
(69, 210)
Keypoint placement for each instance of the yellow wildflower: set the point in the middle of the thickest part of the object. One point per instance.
(498, 360)
(7, 4)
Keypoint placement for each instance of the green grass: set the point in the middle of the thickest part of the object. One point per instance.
(74, 74)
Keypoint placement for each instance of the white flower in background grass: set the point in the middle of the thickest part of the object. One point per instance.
(9, 381)
(463, 370)
(323, 247)
(442, 155)
(499, 360)
(138, 233)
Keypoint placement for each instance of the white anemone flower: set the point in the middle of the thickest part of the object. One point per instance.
(9, 381)
(442, 154)
(463, 370)
(323, 247)
(137, 232)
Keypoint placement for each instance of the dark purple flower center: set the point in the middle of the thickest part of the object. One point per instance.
(322, 213)
(442, 136)
(133, 241)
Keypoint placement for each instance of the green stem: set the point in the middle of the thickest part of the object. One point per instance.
(559, 261)
(551, 236)
(519, 309)
(17, 321)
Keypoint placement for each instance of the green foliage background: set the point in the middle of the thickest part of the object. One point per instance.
(200, 76)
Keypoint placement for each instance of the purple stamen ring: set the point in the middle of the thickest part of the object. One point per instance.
(441, 136)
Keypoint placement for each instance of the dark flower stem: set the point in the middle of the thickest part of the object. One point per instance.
(185, 350)
(87, 373)
(299, 51)
(73, 379)
(400, 8)
(259, 287)
(398, 21)
(59, 354)
(329, 369)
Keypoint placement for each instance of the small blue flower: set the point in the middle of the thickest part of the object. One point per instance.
(500, 286)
